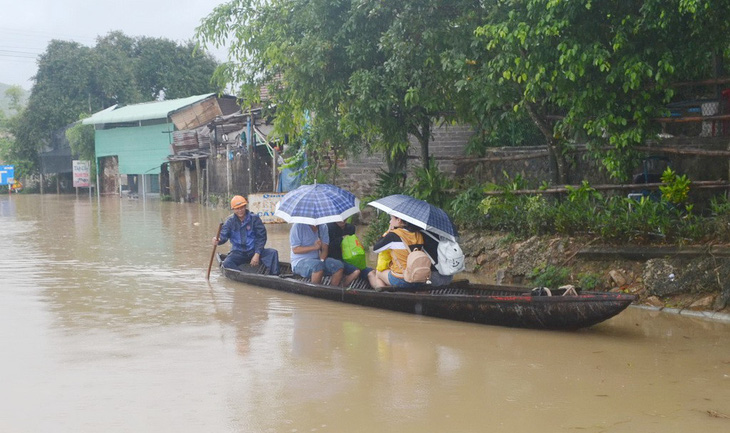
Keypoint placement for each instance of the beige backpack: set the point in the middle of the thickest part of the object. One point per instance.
(418, 266)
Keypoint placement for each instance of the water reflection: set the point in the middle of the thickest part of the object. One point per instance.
(311, 361)
(107, 314)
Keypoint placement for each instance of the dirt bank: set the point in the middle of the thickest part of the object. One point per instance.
(695, 278)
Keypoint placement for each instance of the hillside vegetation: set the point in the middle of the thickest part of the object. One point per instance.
(5, 101)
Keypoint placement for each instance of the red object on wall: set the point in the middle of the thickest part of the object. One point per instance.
(725, 107)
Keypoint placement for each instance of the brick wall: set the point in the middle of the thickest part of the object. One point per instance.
(359, 175)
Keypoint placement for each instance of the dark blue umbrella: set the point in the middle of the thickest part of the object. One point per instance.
(418, 213)
(317, 204)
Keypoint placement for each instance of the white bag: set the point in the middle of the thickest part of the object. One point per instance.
(450, 256)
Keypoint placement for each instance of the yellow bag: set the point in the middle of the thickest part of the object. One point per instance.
(383, 260)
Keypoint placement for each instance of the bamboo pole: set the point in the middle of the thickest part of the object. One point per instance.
(559, 190)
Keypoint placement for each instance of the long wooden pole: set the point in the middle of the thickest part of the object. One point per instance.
(702, 184)
(212, 255)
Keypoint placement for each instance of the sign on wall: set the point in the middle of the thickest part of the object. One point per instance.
(264, 205)
(82, 174)
(7, 174)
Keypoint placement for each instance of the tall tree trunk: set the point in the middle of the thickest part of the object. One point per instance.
(557, 160)
(422, 133)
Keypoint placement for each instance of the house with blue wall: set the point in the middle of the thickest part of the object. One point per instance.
(132, 142)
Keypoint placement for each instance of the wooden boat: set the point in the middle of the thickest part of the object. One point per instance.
(512, 306)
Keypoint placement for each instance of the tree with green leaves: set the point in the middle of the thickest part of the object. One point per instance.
(591, 70)
(113, 76)
(81, 140)
(369, 72)
(579, 71)
(165, 68)
(74, 79)
(15, 95)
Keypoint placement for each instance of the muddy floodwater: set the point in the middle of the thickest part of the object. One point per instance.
(107, 324)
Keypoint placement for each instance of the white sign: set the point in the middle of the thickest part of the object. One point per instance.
(82, 174)
(264, 205)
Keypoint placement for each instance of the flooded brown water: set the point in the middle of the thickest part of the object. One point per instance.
(108, 324)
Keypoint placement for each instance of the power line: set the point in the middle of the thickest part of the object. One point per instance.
(45, 36)
(18, 54)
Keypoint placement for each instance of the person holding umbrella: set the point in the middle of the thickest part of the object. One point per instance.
(434, 224)
(400, 239)
(247, 234)
(309, 248)
(310, 208)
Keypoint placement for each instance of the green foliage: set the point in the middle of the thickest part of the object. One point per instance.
(573, 214)
(112, 78)
(550, 276)
(12, 100)
(376, 229)
(675, 189)
(372, 70)
(605, 68)
(590, 281)
(523, 215)
(465, 207)
(531, 72)
(388, 183)
(584, 211)
(81, 140)
(74, 79)
(720, 217)
(431, 185)
(164, 67)
(502, 128)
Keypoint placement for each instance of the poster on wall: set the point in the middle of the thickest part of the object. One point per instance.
(82, 174)
(264, 205)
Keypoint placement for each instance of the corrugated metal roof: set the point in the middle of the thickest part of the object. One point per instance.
(144, 111)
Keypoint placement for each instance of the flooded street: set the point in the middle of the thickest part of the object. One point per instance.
(108, 324)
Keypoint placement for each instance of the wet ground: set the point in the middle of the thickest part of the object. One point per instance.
(108, 324)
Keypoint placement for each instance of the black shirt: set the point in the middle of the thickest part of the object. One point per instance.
(336, 234)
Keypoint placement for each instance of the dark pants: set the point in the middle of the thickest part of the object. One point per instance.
(269, 257)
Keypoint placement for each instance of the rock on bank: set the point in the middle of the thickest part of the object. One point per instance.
(690, 277)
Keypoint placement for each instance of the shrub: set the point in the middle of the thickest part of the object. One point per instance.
(387, 184)
(550, 276)
(590, 281)
(431, 185)
(465, 208)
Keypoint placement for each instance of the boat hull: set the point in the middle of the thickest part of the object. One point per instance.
(485, 304)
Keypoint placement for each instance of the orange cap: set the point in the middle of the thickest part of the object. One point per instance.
(238, 201)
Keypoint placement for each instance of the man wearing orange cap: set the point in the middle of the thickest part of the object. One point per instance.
(247, 234)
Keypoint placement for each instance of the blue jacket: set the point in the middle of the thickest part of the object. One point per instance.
(246, 236)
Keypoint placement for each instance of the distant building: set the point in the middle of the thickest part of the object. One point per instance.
(56, 159)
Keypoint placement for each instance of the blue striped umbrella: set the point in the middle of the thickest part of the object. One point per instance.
(418, 213)
(317, 204)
